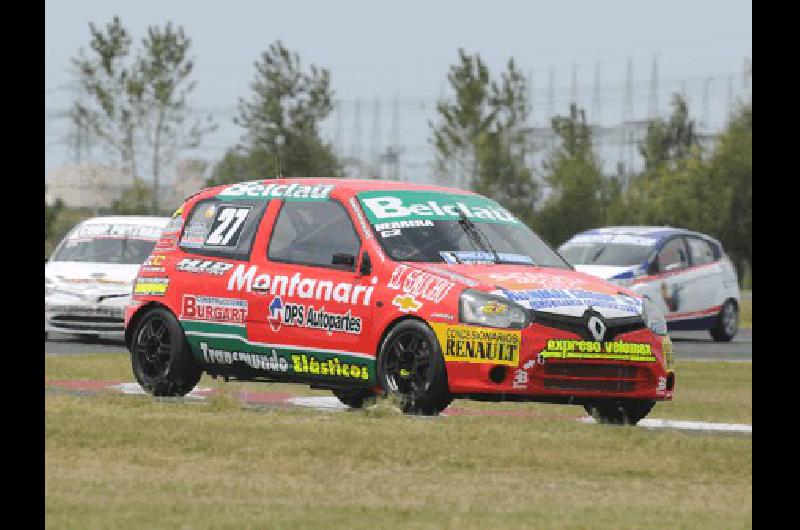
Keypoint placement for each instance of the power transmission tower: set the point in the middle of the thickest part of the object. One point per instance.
(705, 115)
(597, 110)
(393, 151)
(355, 146)
(375, 140)
(573, 98)
(337, 139)
(652, 108)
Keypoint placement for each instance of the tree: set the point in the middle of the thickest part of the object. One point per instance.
(51, 212)
(670, 141)
(579, 194)
(138, 101)
(137, 200)
(482, 137)
(281, 121)
(165, 68)
(115, 108)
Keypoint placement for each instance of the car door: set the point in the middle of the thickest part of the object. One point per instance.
(667, 283)
(306, 298)
(704, 291)
(217, 237)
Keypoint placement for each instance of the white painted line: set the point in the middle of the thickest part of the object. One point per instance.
(653, 423)
(712, 360)
(318, 402)
(135, 389)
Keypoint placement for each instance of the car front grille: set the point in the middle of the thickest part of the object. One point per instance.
(577, 325)
(595, 377)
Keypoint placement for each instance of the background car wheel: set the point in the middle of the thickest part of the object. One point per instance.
(160, 357)
(353, 398)
(411, 368)
(727, 324)
(619, 411)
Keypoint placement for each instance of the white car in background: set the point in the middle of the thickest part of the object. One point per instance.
(686, 273)
(89, 278)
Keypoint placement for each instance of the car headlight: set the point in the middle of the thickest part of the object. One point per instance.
(653, 317)
(483, 309)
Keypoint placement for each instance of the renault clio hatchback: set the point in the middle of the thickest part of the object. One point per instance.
(687, 274)
(375, 287)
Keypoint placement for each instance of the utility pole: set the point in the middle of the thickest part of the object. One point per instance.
(375, 147)
(355, 147)
(652, 110)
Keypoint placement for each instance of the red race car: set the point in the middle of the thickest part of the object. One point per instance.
(370, 287)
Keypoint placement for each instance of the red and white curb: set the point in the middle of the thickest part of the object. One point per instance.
(331, 403)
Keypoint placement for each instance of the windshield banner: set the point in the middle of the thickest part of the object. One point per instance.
(388, 206)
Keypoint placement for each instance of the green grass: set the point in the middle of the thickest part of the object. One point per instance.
(115, 461)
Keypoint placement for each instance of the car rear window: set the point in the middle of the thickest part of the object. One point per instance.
(222, 229)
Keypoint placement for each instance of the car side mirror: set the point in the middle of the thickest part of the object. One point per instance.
(347, 260)
(366, 265)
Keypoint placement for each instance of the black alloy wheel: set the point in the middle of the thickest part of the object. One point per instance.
(160, 357)
(411, 367)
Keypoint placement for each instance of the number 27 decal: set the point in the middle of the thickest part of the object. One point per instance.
(227, 226)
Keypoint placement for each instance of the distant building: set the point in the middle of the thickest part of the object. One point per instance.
(190, 177)
(86, 185)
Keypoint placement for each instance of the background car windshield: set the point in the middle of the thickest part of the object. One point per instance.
(106, 250)
(604, 254)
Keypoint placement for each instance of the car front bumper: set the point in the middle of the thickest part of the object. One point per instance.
(100, 316)
(570, 377)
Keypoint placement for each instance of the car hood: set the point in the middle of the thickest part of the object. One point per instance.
(98, 276)
(607, 271)
(557, 291)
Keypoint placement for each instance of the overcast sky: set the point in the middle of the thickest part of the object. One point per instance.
(379, 48)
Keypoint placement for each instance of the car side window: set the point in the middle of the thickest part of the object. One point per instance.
(673, 256)
(318, 233)
(222, 229)
(702, 251)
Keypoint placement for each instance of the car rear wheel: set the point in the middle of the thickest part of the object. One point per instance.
(354, 399)
(727, 324)
(411, 368)
(619, 411)
(160, 357)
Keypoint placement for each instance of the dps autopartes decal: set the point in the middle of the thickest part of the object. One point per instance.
(257, 189)
(474, 344)
(151, 286)
(389, 206)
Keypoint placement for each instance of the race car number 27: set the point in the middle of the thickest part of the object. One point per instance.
(227, 227)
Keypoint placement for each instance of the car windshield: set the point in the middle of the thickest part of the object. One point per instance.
(593, 253)
(105, 250)
(428, 226)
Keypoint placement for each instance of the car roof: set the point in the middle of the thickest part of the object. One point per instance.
(351, 185)
(654, 232)
(147, 220)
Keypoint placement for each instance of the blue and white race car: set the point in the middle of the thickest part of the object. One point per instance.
(686, 273)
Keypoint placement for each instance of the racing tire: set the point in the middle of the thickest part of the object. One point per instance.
(160, 356)
(411, 369)
(352, 398)
(727, 324)
(619, 411)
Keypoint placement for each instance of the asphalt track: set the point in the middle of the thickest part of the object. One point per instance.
(687, 345)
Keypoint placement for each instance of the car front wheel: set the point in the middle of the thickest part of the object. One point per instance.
(619, 411)
(160, 357)
(727, 324)
(411, 368)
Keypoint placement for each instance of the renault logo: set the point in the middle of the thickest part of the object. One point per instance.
(597, 327)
